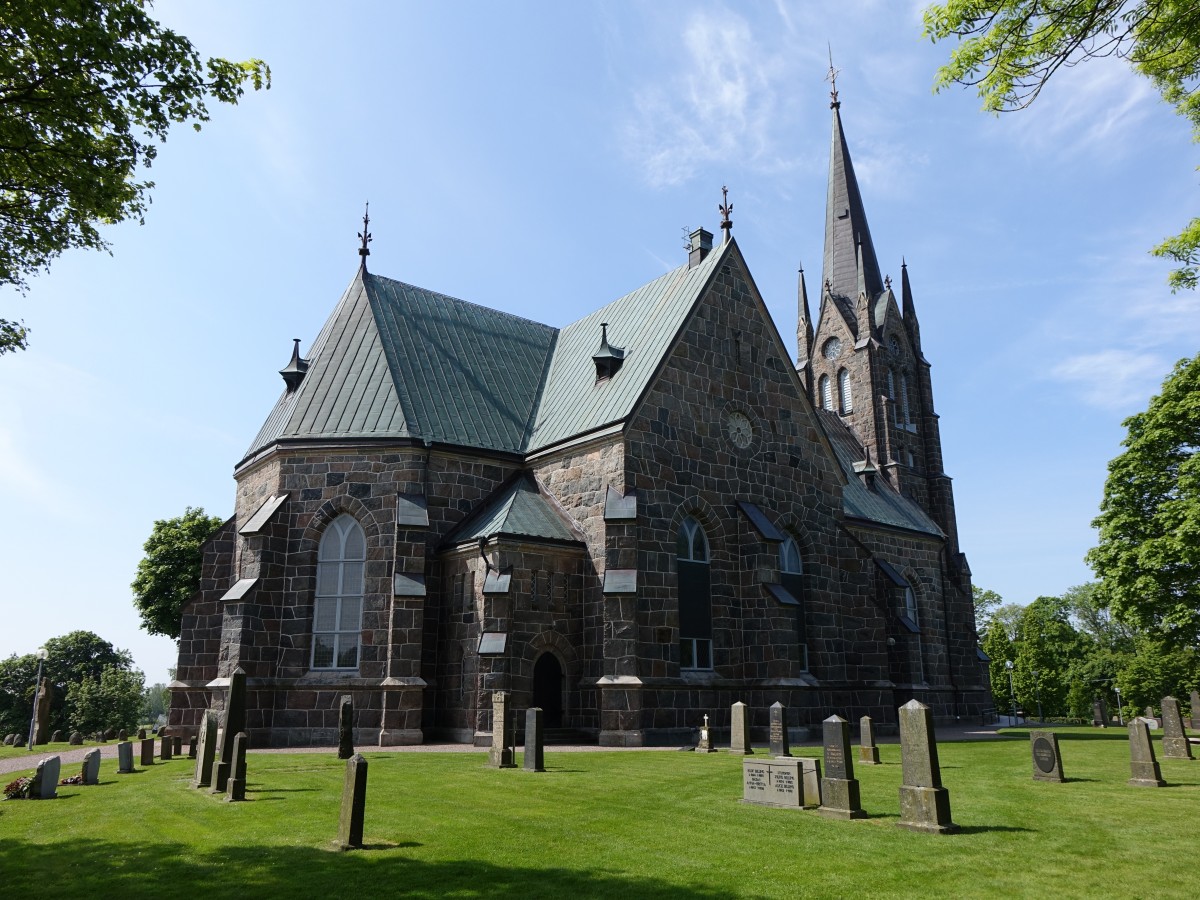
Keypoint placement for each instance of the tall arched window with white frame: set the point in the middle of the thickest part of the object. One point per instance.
(891, 392)
(791, 579)
(845, 397)
(337, 608)
(825, 387)
(695, 596)
(904, 399)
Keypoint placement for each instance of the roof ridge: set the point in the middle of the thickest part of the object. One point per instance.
(488, 309)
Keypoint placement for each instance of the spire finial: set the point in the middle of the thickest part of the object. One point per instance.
(365, 235)
(834, 103)
(887, 282)
(725, 209)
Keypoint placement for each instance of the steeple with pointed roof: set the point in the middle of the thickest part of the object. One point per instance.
(846, 225)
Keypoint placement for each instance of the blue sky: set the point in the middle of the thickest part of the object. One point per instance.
(545, 159)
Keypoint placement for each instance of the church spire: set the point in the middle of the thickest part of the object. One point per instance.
(804, 330)
(908, 309)
(846, 224)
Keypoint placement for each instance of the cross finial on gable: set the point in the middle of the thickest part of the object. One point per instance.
(365, 236)
(834, 103)
(725, 209)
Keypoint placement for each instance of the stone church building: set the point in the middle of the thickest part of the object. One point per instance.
(631, 521)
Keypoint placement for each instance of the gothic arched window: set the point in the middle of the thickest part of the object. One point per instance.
(904, 398)
(695, 599)
(845, 399)
(337, 609)
(891, 392)
(826, 389)
(791, 579)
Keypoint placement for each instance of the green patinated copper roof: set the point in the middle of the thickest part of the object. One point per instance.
(884, 504)
(520, 509)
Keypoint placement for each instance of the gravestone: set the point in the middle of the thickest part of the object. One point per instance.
(500, 756)
(10, 740)
(810, 781)
(1195, 710)
(868, 753)
(56, 738)
(192, 747)
(147, 752)
(779, 734)
(141, 734)
(100, 739)
(234, 721)
(773, 782)
(45, 779)
(739, 729)
(206, 750)
(1100, 712)
(76, 739)
(41, 712)
(124, 758)
(91, 767)
(533, 759)
(110, 734)
(165, 745)
(705, 744)
(354, 803)
(1047, 761)
(237, 776)
(1151, 719)
(346, 727)
(121, 735)
(1175, 743)
(924, 803)
(839, 788)
(177, 745)
(1143, 766)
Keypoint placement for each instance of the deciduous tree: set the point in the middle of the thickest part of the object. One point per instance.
(170, 571)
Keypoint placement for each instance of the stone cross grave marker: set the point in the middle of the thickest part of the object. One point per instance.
(1175, 743)
(354, 803)
(147, 751)
(839, 788)
(500, 756)
(1100, 712)
(868, 753)
(206, 750)
(346, 727)
(779, 734)
(165, 747)
(124, 757)
(1195, 710)
(235, 721)
(924, 803)
(739, 730)
(705, 745)
(1143, 767)
(533, 759)
(236, 789)
(1047, 761)
(45, 779)
(91, 767)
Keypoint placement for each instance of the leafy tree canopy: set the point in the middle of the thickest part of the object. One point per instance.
(986, 603)
(88, 89)
(170, 571)
(1149, 550)
(113, 700)
(1009, 49)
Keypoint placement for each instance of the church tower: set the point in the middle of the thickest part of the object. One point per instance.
(864, 360)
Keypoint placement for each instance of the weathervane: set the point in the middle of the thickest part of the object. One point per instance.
(725, 209)
(832, 79)
(364, 235)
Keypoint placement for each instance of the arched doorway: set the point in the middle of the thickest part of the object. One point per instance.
(548, 689)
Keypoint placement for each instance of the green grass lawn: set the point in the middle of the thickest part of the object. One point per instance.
(626, 825)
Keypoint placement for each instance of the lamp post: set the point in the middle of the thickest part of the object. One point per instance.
(1037, 690)
(1120, 716)
(1011, 692)
(42, 653)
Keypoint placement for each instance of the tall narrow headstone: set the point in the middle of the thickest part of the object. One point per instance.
(868, 753)
(500, 756)
(839, 788)
(237, 776)
(124, 758)
(205, 750)
(1047, 761)
(45, 779)
(192, 741)
(779, 734)
(91, 767)
(924, 803)
(739, 729)
(235, 721)
(1175, 742)
(177, 745)
(165, 746)
(354, 803)
(534, 759)
(346, 727)
(41, 712)
(1143, 766)
(147, 751)
(1195, 710)
(1100, 712)
(705, 743)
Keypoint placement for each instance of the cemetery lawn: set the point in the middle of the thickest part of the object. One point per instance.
(609, 824)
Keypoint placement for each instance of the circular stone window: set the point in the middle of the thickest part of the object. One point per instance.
(739, 429)
(832, 348)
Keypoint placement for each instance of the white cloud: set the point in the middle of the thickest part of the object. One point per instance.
(1113, 379)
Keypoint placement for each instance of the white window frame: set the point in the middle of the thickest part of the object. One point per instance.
(332, 553)
(845, 393)
(696, 654)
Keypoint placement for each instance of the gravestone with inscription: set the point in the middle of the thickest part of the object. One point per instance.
(533, 759)
(147, 751)
(91, 767)
(1100, 712)
(739, 729)
(772, 782)
(236, 789)
(354, 803)
(924, 803)
(1143, 767)
(868, 753)
(205, 750)
(705, 743)
(1047, 761)
(234, 721)
(779, 734)
(124, 758)
(839, 788)
(1175, 743)
(45, 779)
(346, 727)
(504, 739)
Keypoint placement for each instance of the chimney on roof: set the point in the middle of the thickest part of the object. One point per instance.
(293, 373)
(608, 358)
(699, 246)
(866, 471)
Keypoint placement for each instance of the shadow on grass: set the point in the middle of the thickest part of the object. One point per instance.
(109, 868)
(984, 829)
